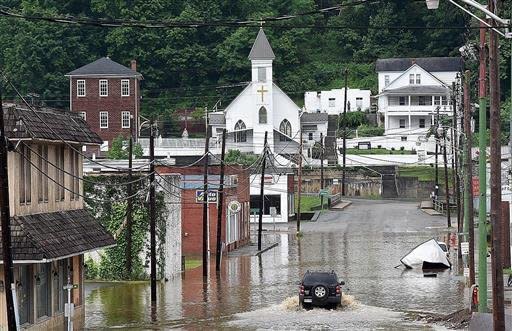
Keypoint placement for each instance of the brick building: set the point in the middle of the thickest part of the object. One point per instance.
(107, 96)
(235, 226)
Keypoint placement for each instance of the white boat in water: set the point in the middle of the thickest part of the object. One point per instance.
(428, 255)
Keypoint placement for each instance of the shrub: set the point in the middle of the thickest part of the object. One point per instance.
(379, 146)
(353, 119)
(392, 148)
(369, 131)
(402, 148)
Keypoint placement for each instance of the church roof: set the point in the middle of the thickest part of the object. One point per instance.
(104, 66)
(261, 49)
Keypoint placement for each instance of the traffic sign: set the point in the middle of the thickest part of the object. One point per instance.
(464, 248)
(212, 196)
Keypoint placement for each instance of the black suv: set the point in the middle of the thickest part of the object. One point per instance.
(320, 289)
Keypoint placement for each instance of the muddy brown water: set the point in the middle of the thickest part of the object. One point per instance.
(362, 244)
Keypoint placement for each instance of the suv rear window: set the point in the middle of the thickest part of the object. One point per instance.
(320, 277)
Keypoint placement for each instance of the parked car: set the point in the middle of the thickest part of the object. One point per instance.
(320, 289)
(444, 247)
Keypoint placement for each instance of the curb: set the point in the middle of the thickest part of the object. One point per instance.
(263, 250)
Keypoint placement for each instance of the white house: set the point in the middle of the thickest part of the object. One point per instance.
(333, 102)
(278, 196)
(411, 90)
(261, 106)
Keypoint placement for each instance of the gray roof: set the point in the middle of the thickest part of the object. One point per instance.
(314, 117)
(47, 124)
(56, 235)
(432, 64)
(104, 67)
(418, 89)
(217, 119)
(261, 49)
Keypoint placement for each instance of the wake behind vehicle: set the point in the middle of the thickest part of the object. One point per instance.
(320, 289)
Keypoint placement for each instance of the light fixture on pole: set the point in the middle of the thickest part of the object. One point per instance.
(432, 4)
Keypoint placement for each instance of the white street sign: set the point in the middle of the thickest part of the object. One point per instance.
(464, 248)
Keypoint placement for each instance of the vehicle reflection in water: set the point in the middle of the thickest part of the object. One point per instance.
(254, 292)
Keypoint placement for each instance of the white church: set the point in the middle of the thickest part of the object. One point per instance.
(261, 107)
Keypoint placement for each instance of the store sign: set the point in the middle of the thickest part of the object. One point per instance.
(234, 207)
(212, 196)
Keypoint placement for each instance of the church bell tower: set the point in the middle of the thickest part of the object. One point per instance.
(261, 57)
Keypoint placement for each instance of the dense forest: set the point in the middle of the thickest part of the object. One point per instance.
(196, 67)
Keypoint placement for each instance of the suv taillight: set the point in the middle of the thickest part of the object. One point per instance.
(338, 289)
(301, 289)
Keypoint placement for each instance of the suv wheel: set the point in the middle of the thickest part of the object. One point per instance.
(320, 292)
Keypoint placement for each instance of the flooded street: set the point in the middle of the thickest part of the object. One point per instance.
(363, 244)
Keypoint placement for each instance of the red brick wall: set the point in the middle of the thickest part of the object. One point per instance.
(192, 212)
(92, 104)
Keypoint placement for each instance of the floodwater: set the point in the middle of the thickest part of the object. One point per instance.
(363, 244)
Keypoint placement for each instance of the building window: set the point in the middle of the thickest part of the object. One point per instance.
(386, 80)
(240, 133)
(25, 171)
(411, 79)
(263, 115)
(402, 124)
(285, 128)
(310, 136)
(42, 179)
(125, 87)
(125, 119)
(332, 102)
(262, 74)
(418, 79)
(103, 88)
(83, 115)
(422, 123)
(75, 174)
(43, 290)
(80, 87)
(103, 119)
(359, 103)
(24, 293)
(403, 138)
(59, 173)
(273, 200)
(402, 101)
(440, 100)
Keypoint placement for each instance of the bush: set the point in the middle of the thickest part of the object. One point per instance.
(392, 148)
(353, 119)
(379, 146)
(369, 131)
(402, 148)
(91, 269)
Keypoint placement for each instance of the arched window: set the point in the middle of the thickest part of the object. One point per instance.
(285, 128)
(263, 115)
(240, 133)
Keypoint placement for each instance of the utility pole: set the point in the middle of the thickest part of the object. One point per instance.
(498, 309)
(455, 161)
(344, 135)
(152, 211)
(221, 200)
(129, 207)
(436, 188)
(447, 189)
(321, 169)
(262, 187)
(299, 183)
(482, 174)
(469, 224)
(6, 224)
(205, 198)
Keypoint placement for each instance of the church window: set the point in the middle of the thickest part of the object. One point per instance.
(286, 129)
(263, 115)
(262, 74)
(240, 133)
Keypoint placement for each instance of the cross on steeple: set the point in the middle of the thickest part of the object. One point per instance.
(262, 91)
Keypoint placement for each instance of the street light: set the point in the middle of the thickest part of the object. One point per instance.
(432, 4)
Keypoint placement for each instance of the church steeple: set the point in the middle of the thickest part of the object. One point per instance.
(261, 49)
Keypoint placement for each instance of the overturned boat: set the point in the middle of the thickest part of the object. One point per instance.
(428, 255)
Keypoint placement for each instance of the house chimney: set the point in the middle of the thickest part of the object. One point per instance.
(413, 61)
(133, 65)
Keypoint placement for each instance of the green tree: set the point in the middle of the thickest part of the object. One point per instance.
(119, 149)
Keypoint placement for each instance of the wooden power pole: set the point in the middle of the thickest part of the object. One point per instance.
(344, 136)
(299, 182)
(152, 211)
(221, 201)
(129, 207)
(262, 191)
(6, 224)
(447, 188)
